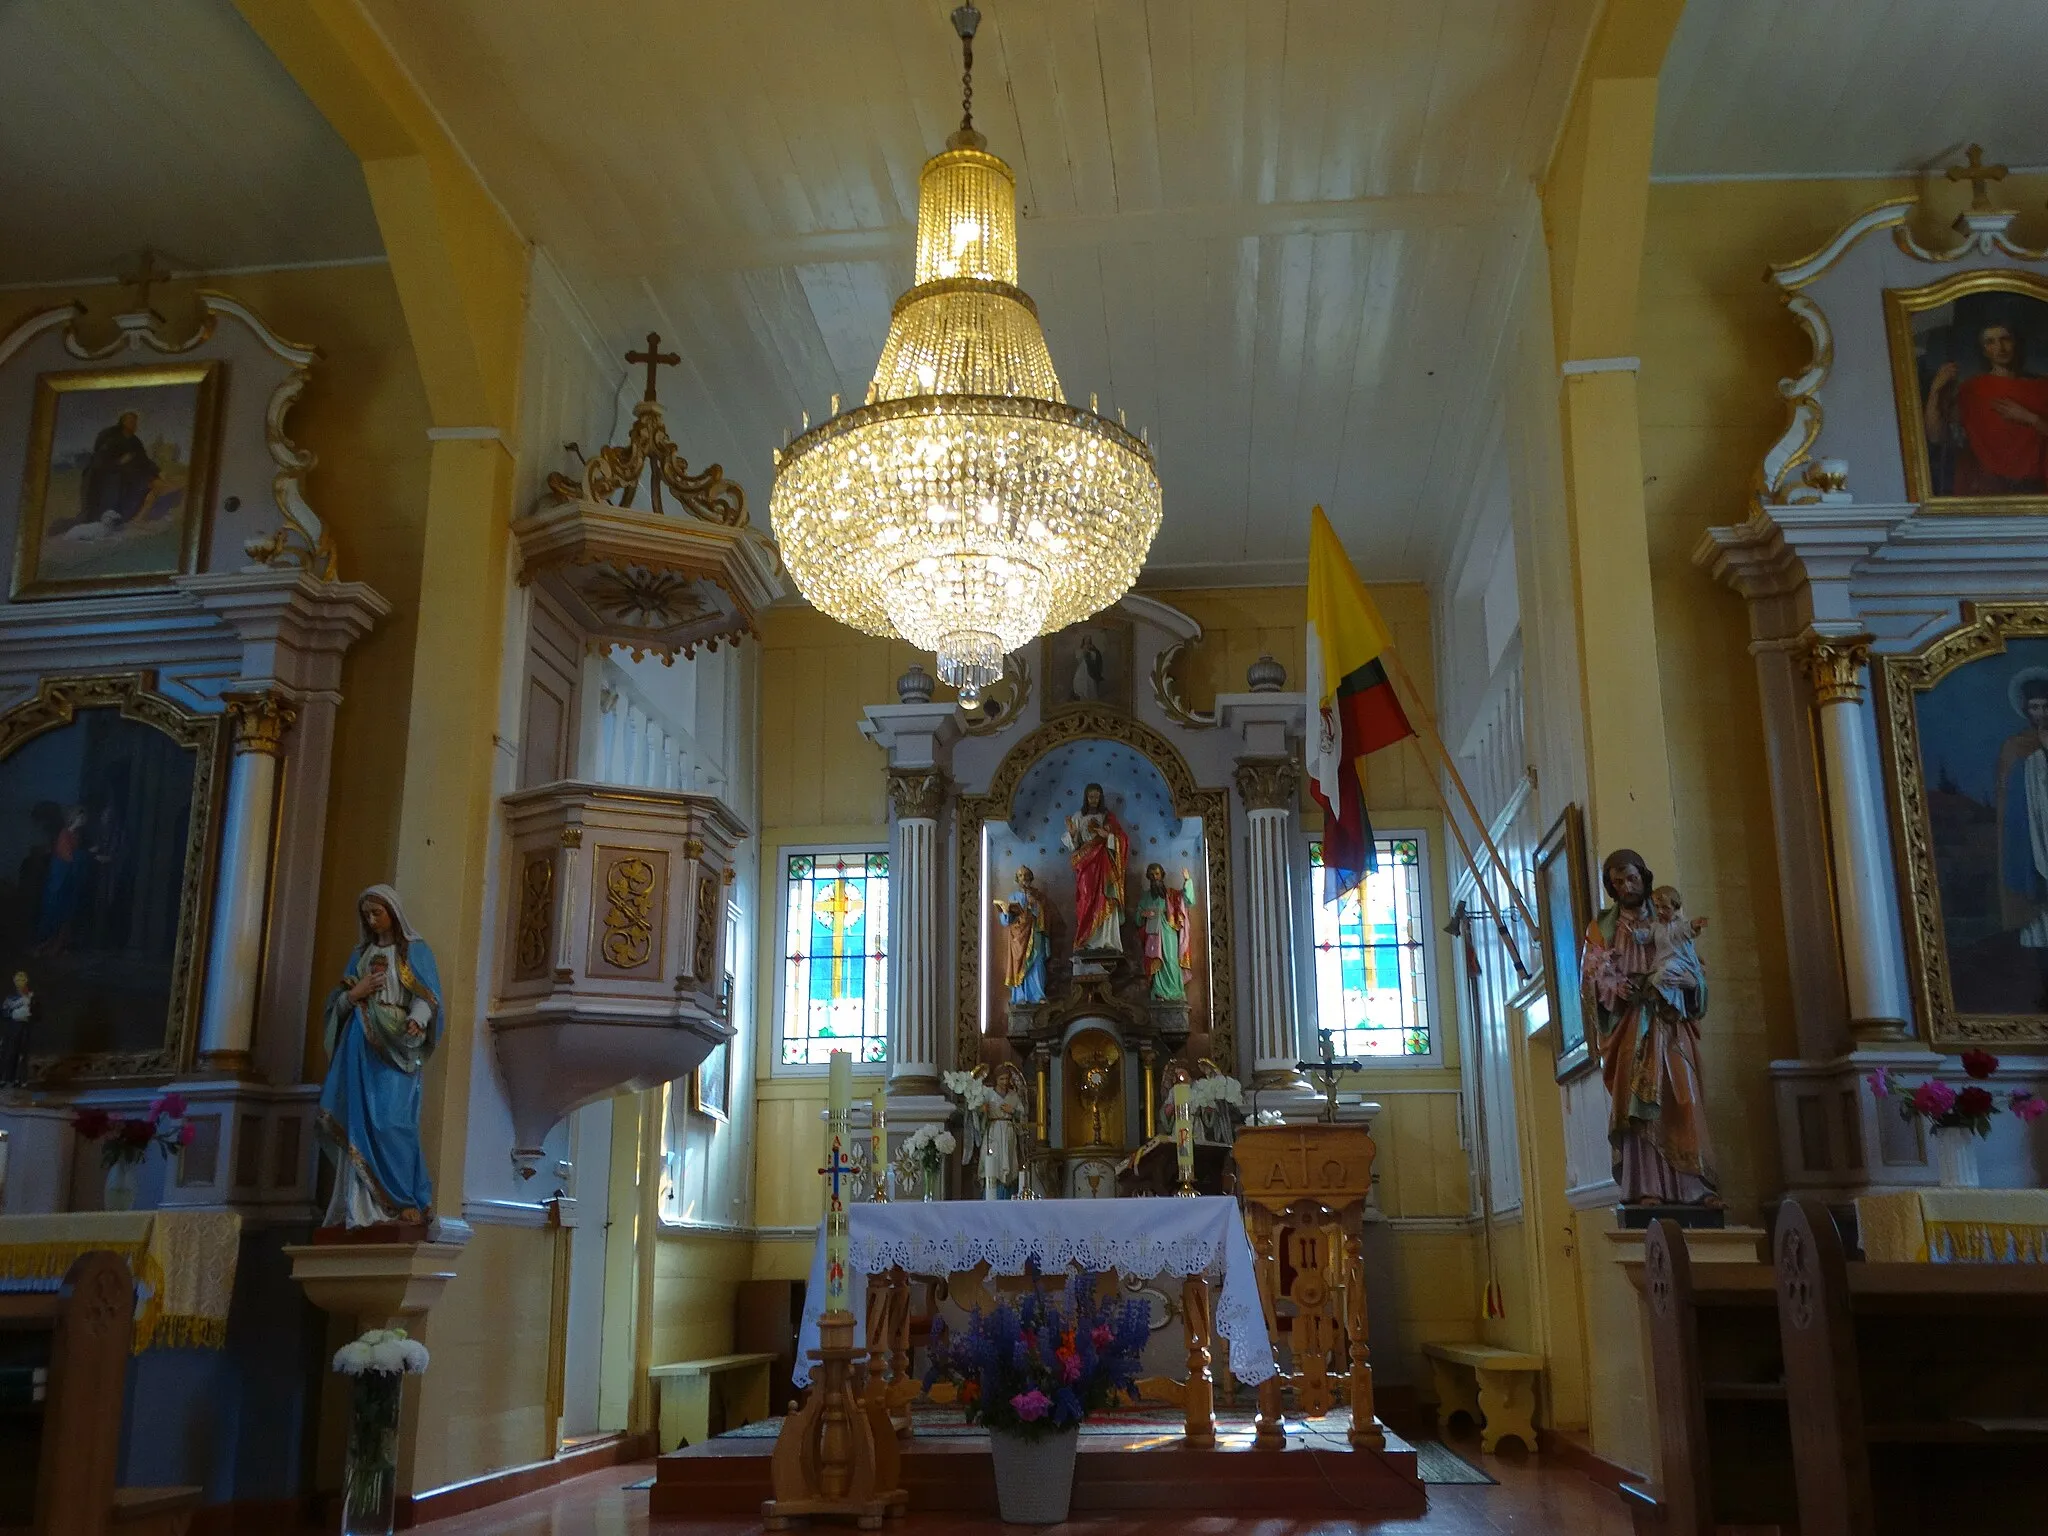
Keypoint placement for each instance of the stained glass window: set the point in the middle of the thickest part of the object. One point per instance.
(1372, 961)
(835, 978)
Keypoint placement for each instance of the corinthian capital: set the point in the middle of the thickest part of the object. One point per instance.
(260, 720)
(1836, 664)
(1268, 783)
(917, 793)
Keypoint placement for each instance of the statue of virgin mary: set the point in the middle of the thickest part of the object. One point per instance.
(382, 1023)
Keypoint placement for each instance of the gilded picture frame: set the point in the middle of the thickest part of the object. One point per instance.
(119, 479)
(94, 947)
(1959, 721)
(1941, 341)
(1564, 906)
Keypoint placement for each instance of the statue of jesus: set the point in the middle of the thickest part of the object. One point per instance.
(1100, 849)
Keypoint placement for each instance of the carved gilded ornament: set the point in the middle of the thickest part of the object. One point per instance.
(628, 913)
(1268, 783)
(536, 928)
(261, 719)
(1836, 667)
(918, 794)
(1166, 687)
(1900, 680)
(615, 470)
(1001, 702)
(705, 954)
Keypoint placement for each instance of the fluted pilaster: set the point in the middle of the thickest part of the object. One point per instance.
(918, 796)
(1267, 787)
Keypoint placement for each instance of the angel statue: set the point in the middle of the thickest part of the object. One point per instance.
(1002, 1161)
(382, 1023)
(1217, 1100)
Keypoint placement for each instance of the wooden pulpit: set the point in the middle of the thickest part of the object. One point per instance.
(1304, 1189)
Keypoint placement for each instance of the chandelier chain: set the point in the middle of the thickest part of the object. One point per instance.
(965, 20)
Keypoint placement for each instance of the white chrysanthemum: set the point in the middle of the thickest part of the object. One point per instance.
(352, 1359)
(947, 1145)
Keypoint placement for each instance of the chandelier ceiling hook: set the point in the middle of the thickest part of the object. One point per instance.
(966, 19)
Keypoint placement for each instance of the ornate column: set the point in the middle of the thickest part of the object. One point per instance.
(917, 795)
(227, 1025)
(1872, 960)
(1267, 786)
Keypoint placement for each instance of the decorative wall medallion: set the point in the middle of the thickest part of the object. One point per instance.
(644, 599)
(536, 923)
(629, 882)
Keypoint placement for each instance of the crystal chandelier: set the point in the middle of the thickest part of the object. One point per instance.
(965, 506)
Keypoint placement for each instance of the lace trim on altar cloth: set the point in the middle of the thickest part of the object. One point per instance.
(1221, 1250)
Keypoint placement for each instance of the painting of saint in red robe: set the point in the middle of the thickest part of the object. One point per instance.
(1984, 409)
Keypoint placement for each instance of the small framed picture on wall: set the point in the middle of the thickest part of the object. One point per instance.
(1564, 908)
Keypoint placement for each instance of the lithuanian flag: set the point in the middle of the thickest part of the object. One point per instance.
(1352, 707)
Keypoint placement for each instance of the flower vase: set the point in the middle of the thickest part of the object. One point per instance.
(928, 1184)
(369, 1497)
(1955, 1156)
(1034, 1477)
(123, 1175)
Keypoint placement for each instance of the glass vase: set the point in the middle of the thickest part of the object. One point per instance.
(369, 1494)
(123, 1175)
(928, 1185)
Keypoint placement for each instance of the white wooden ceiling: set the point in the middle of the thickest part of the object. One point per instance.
(1805, 87)
(168, 123)
(1279, 234)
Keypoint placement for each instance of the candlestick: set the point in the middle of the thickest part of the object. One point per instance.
(1184, 1136)
(837, 1166)
(884, 1174)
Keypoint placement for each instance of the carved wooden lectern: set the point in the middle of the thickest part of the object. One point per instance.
(1304, 1189)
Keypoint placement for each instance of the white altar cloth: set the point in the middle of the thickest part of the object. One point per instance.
(1136, 1238)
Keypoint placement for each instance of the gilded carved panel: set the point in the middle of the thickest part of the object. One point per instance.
(627, 913)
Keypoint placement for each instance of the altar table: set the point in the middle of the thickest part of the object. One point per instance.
(183, 1263)
(1955, 1226)
(1188, 1238)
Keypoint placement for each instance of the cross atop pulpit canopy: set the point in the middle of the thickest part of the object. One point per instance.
(1328, 1068)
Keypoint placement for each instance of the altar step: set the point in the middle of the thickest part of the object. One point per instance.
(727, 1477)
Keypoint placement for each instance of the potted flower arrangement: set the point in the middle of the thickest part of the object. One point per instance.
(126, 1142)
(1956, 1115)
(923, 1153)
(377, 1364)
(1032, 1373)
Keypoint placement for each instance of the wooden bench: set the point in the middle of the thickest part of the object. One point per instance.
(685, 1389)
(1497, 1387)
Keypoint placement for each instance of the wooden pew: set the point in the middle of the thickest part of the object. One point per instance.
(1918, 1393)
(1718, 1376)
(59, 1457)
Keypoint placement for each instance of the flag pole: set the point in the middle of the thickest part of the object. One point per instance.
(1428, 723)
(1478, 875)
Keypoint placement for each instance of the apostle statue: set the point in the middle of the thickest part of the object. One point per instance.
(382, 1022)
(1026, 941)
(1100, 850)
(1644, 978)
(1163, 915)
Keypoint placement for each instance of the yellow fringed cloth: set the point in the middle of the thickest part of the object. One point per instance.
(183, 1262)
(1955, 1226)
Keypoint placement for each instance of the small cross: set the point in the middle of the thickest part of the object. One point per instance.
(1978, 175)
(837, 1167)
(1328, 1068)
(145, 277)
(654, 358)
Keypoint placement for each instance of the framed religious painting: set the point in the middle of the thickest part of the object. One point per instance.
(1965, 728)
(1089, 666)
(108, 804)
(1970, 373)
(119, 478)
(1564, 906)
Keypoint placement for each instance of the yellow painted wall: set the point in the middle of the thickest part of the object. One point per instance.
(364, 414)
(483, 1405)
(696, 1279)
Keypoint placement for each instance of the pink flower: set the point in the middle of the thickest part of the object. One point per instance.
(1031, 1405)
(172, 1104)
(2028, 1107)
(1070, 1367)
(1934, 1099)
(1100, 1336)
(185, 1135)
(1880, 1083)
